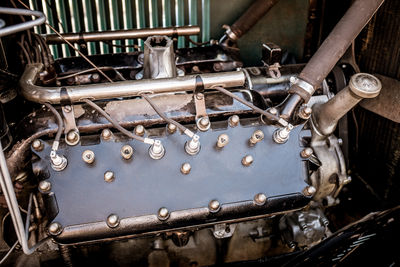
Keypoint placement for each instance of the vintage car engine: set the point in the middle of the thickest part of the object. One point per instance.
(174, 156)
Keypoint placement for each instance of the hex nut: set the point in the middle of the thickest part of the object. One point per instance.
(126, 152)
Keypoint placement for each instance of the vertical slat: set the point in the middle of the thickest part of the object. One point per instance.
(101, 23)
(153, 13)
(140, 17)
(166, 13)
(75, 20)
(127, 11)
(180, 20)
(113, 5)
(60, 6)
(49, 15)
(205, 23)
(88, 21)
(33, 6)
(193, 18)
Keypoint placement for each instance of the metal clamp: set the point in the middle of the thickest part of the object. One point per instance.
(202, 120)
(309, 88)
(70, 130)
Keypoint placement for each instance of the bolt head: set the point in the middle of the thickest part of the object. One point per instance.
(163, 214)
(260, 199)
(306, 152)
(156, 150)
(347, 180)
(67, 108)
(88, 156)
(204, 121)
(223, 140)
(273, 111)
(171, 128)
(55, 228)
(45, 186)
(139, 130)
(214, 205)
(37, 145)
(199, 96)
(256, 137)
(112, 220)
(310, 191)
(126, 152)
(109, 176)
(247, 160)
(72, 137)
(185, 168)
(234, 120)
(106, 134)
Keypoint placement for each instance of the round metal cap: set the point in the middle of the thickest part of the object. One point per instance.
(365, 85)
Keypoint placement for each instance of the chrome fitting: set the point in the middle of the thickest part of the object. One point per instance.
(192, 147)
(156, 150)
(163, 214)
(281, 135)
(58, 163)
(260, 199)
(112, 220)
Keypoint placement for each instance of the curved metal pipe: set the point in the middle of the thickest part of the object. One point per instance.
(24, 25)
(73, 94)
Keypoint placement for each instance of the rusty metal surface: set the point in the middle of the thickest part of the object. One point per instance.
(387, 103)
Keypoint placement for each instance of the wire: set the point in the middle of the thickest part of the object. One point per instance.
(268, 115)
(196, 43)
(164, 117)
(60, 123)
(116, 124)
(8, 253)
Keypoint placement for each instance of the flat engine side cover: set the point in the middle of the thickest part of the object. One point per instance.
(82, 199)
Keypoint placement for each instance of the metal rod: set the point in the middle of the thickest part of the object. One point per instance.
(140, 19)
(113, 5)
(205, 20)
(101, 23)
(54, 95)
(21, 26)
(128, 22)
(180, 19)
(75, 21)
(121, 34)
(193, 18)
(166, 13)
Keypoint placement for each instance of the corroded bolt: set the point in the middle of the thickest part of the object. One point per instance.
(223, 140)
(45, 186)
(185, 168)
(281, 135)
(171, 128)
(256, 137)
(214, 205)
(163, 214)
(139, 130)
(127, 152)
(305, 112)
(247, 160)
(204, 121)
(88, 156)
(234, 120)
(109, 176)
(306, 152)
(37, 145)
(309, 191)
(260, 199)
(55, 228)
(72, 137)
(106, 134)
(112, 220)
(156, 150)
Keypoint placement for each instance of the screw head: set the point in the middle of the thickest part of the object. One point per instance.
(139, 130)
(234, 120)
(256, 137)
(55, 228)
(37, 145)
(171, 128)
(109, 176)
(260, 199)
(126, 152)
(214, 206)
(45, 186)
(185, 168)
(223, 140)
(112, 220)
(163, 214)
(306, 152)
(309, 191)
(106, 134)
(88, 156)
(247, 160)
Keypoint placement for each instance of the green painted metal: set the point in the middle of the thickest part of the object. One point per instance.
(153, 14)
(88, 21)
(60, 6)
(193, 18)
(205, 23)
(166, 13)
(75, 19)
(140, 18)
(180, 19)
(114, 13)
(101, 23)
(128, 21)
(49, 16)
(33, 5)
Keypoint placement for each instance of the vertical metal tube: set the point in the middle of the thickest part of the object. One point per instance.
(205, 23)
(60, 6)
(180, 20)
(128, 21)
(101, 23)
(49, 16)
(193, 17)
(88, 21)
(113, 5)
(140, 18)
(75, 20)
(166, 13)
(33, 6)
(153, 13)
